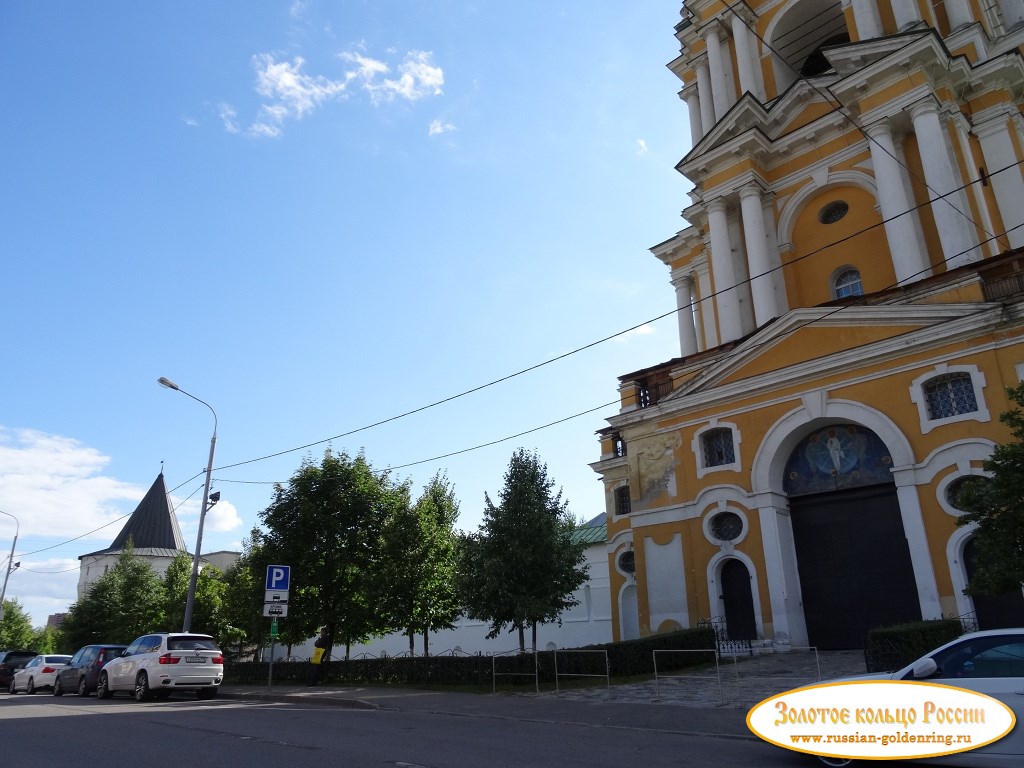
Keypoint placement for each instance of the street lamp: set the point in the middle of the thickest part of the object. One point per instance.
(10, 563)
(191, 599)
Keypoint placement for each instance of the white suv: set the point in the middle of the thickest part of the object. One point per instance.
(161, 662)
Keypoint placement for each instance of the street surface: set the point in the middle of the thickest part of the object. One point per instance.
(410, 730)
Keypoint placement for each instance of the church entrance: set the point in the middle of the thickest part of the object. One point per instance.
(740, 622)
(853, 558)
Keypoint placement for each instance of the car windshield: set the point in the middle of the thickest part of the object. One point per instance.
(191, 644)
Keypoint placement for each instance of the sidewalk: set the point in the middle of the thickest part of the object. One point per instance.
(707, 702)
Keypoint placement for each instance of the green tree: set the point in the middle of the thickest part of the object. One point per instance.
(523, 564)
(243, 599)
(208, 613)
(16, 626)
(327, 524)
(418, 590)
(996, 505)
(46, 640)
(126, 602)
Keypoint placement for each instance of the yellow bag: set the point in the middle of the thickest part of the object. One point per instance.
(318, 655)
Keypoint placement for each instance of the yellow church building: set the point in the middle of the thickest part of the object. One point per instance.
(850, 289)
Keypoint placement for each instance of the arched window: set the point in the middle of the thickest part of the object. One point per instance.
(949, 395)
(847, 283)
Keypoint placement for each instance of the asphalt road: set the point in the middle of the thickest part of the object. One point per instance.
(461, 732)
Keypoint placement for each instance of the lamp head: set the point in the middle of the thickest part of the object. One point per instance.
(214, 498)
(163, 381)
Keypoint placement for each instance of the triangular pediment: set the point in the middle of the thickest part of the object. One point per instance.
(819, 339)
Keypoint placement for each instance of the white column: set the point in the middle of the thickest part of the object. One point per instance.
(909, 259)
(1013, 13)
(705, 95)
(906, 12)
(746, 57)
(865, 16)
(761, 284)
(917, 542)
(959, 14)
(774, 255)
(952, 216)
(718, 77)
(723, 270)
(684, 301)
(1007, 185)
(692, 99)
(783, 576)
(705, 310)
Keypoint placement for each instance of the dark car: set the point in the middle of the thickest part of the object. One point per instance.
(81, 673)
(11, 662)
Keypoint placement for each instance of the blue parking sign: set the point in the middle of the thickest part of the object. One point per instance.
(278, 577)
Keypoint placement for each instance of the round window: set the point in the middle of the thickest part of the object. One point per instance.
(954, 488)
(726, 526)
(833, 212)
(627, 562)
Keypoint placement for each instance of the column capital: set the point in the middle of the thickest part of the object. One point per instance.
(924, 107)
(750, 189)
(718, 205)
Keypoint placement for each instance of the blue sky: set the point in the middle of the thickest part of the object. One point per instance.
(316, 216)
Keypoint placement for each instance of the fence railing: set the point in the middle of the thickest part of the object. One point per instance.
(663, 672)
(518, 660)
(563, 672)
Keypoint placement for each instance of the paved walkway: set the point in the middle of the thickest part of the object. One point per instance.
(737, 684)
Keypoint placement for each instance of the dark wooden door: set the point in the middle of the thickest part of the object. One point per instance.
(739, 601)
(854, 565)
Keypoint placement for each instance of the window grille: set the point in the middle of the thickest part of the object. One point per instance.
(718, 447)
(950, 395)
(620, 445)
(727, 526)
(622, 502)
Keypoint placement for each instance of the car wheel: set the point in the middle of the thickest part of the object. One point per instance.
(103, 687)
(31, 687)
(58, 689)
(142, 687)
(11, 689)
(83, 688)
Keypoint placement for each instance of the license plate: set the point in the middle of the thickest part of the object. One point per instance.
(195, 659)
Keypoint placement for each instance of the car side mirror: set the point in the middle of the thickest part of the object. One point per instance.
(925, 668)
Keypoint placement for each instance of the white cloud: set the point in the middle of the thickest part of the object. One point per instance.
(53, 486)
(293, 93)
(228, 114)
(298, 8)
(644, 330)
(437, 128)
(641, 147)
(190, 121)
(292, 90)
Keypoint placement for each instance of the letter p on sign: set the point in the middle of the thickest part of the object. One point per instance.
(278, 577)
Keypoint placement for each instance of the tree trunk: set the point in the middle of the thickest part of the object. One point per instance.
(522, 640)
(412, 642)
(426, 642)
(534, 625)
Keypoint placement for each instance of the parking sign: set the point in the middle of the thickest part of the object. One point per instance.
(278, 577)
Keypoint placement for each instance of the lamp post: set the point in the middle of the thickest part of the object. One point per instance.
(10, 563)
(191, 599)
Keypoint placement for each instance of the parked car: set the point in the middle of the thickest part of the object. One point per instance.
(989, 662)
(39, 673)
(159, 663)
(83, 671)
(11, 662)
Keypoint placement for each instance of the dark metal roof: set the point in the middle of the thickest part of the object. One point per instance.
(152, 526)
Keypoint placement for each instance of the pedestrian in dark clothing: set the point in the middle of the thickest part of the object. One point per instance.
(320, 655)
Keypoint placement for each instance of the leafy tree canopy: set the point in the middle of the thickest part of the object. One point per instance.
(16, 626)
(996, 505)
(327, 523)
(522, 565)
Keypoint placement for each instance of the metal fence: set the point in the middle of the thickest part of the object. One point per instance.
(576, 660)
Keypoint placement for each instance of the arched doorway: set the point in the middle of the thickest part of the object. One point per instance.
(993, 611)
(629, 613)
(853, 558)
(738, 601)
